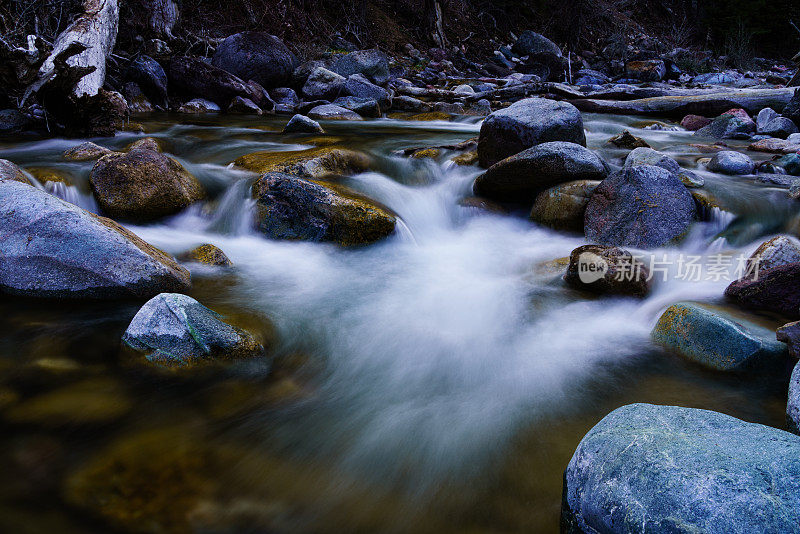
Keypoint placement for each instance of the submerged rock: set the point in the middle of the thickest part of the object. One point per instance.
(86, 151)
(302, 124)
(294, 208)
(525, 124)
(647, 468)
(89, 402)
(207, 254)
(716, 339)
(563, 207)
(143, 185)
(176, 330)
(256, 56)
(731, 162)
(776, 289)
(607, 270)
(642, 206)
(52, 248)
(520, 177)
(314, 162)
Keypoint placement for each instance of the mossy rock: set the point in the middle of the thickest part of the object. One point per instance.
(149, 143)
(206, 254)
(423, 153)
(294, 208)
(143, 185)
(92, 401)
(563, 207)
(44, 175)
(467, 158)
(430, 116)
(717, 339)
(314, 162)
(87, 151)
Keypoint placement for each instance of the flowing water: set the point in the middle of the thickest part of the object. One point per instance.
(438, 381)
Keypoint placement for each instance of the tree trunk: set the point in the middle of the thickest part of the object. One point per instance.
(163, 17)
(96, 31)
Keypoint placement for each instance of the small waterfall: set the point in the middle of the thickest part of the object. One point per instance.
(235, 211)
(72, 194)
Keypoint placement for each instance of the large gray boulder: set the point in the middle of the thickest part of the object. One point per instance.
(643, 207)
(359, 86)
(519, 178)
(256, 56)
(176, 330)
(323, 84)
(51, 248)
(664, 469)
(371, 63)
(648, 156)
(527, 123)
(11, 171)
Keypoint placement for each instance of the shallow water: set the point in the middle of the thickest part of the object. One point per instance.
(438, 381)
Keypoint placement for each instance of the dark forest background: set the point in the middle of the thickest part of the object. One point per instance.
(758, 27)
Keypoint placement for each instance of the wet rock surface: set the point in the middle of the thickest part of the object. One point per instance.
(55, 249)
(637, 469)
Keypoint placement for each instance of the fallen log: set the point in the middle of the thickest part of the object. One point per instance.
(96, 31)
(711, 104)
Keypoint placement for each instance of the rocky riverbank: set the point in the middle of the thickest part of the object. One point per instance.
(532, 165)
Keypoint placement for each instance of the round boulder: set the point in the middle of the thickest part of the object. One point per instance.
(143, 185)
(731, 162)
(563, 207)
(527, 123)
(607, 270)
(256, 56)
(520, 177)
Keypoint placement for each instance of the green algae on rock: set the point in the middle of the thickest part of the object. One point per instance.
(716, 339)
